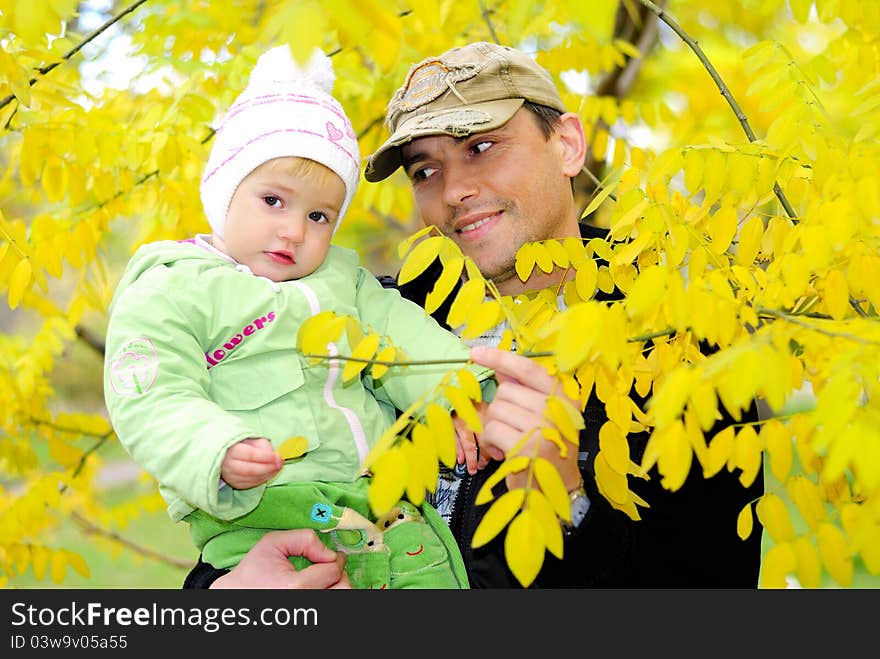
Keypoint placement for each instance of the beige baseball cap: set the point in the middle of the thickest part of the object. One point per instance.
(469, 89)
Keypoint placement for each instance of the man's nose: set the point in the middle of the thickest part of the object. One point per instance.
(459, 184)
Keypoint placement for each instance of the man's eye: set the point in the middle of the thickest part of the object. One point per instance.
(319, 217)
(272, 200)
(422, 173)
(480, 147)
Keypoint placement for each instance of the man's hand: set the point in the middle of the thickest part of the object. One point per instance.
(266, 564)
(467, 447)
(518, 408)
(249, 463)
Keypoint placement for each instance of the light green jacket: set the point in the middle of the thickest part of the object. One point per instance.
(201, 354)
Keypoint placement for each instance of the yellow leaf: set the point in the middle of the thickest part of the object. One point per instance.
(509, 466)
(744, 522)
(836, 294)
(446, 282)
(599, 198)
(808, 499)
(809, 567)
(750, 238)
(58, 566)
(800, 9)
(524, 548)
(426, 454)
(390, 473)
(469, 384)
(31, 22)
(19, 282)
(439, 422)
(543, 258)
(576, 251)
(525, 261)
(484, 317)
(627, 48)
(319, 330)
(835, 554)
(293, 447)
(78, 564)
(366, 349)
(565, 417)
(415, 481)
(385, 355)
(498, 516)
(612, 485)
(39, 561)
(614, 447)
(553, 487)
(539, 506)
(722, 228)
(776, 439)
(471, 293)
(558, 253)
(719, 451)
(421, 256)
(748, 455)
(586, 279)
(404, 245)
(775, 518)
(777, 564)
(647, 292)
(465, 408)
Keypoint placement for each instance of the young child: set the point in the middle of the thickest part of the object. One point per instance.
(203, 382)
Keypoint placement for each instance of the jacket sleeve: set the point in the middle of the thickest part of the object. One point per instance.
(420, 337)
(156, 390)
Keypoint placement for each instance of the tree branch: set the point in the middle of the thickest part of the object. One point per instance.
(90, 339)
(725, 90)
(92, 529)
(43, 70)
(485, 14)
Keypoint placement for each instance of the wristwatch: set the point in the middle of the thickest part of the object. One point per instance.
(580, 504)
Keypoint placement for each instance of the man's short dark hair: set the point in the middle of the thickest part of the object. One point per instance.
(547, 117)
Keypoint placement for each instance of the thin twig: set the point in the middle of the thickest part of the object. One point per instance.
(90, 339)
(798, 320)
(73, 51)
(93, 529)
(725, 90)
(484, 12)
(424, 362)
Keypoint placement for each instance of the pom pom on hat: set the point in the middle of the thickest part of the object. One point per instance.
(285, 110)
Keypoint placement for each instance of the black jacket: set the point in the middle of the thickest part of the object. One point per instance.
(686, 538)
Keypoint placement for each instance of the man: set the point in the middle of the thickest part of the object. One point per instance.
(490, 150)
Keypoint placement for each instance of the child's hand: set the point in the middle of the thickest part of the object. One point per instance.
(250, 462)
(468, 447)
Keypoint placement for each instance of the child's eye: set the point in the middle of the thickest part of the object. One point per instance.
(272, 200)
(319, 217)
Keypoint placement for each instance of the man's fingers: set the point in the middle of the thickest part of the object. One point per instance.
(298, 542)
(322, 575)
(508, 365)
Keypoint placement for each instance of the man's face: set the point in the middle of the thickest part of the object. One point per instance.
(492, 192)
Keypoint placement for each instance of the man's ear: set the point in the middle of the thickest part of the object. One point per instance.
(572, 142)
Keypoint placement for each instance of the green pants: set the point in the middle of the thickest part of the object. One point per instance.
(409, 547)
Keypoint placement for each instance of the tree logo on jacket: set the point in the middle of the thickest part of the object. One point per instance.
(133, 368)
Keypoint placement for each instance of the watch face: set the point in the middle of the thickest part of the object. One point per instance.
(579, 507)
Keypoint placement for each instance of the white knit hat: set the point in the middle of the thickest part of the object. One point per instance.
(284, 111)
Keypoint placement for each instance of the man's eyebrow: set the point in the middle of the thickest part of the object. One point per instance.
(406, 161)
(409, 160)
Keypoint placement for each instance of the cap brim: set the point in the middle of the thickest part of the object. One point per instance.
(458, 121)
